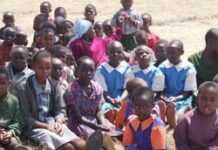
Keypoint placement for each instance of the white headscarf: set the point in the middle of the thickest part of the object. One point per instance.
(80, 28)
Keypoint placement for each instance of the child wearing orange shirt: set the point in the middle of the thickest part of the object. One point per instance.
(126, 108)
(144, 131)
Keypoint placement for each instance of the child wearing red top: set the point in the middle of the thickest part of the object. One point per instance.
(152, 38)
(111, 33)
(6, 45)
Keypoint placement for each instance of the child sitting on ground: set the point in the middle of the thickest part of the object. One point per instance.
(152, 37)
(114, 74)
(84, 100)
(147, 71)
(126, 108)
(180, 81)
(144, 131)
(44, 109)
(10, 123)
(17, 69)
(198, 129)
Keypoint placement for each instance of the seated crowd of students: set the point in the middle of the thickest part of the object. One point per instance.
(82, 83)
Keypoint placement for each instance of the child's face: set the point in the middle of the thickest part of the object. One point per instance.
(160, 52)
(108, 29)
(115, 54)
(9, 36)
(86, 71)
(146, 21)
(62, 56)
(21, 39)
(61, 12)
(90, 14)
(19, 60)
(98, 29)
(127, 4)
(70, 60)
(9, 20)
(42, 68)
(48, 39)
(173, 54)
(143, 57)
(57, 70)
(45, 8)
(143, 108)
(67, 27)
(207, 101)
(90, 34)
(141, 38)
(4, 84)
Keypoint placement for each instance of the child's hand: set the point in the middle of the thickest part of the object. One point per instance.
(172, 99)
(58, 128)
(104, 128)
(51, 127)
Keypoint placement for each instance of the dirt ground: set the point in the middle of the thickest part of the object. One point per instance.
(187, 20)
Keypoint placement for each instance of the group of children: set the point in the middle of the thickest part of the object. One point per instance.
(79, 84)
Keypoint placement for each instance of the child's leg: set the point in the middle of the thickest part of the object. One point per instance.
(162, 107)
(67, 146)
(79, 144)
(171, 115)
(14, 145)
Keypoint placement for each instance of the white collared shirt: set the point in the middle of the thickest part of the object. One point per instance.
(191, 81)
(121, 68)
(158, 80)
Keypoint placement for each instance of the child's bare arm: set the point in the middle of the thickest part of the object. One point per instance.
(181, 97)
(180, 136)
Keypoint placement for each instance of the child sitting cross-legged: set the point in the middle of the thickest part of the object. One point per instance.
(180, 82)
(144, 131)
(126, 108)
(10, 116)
